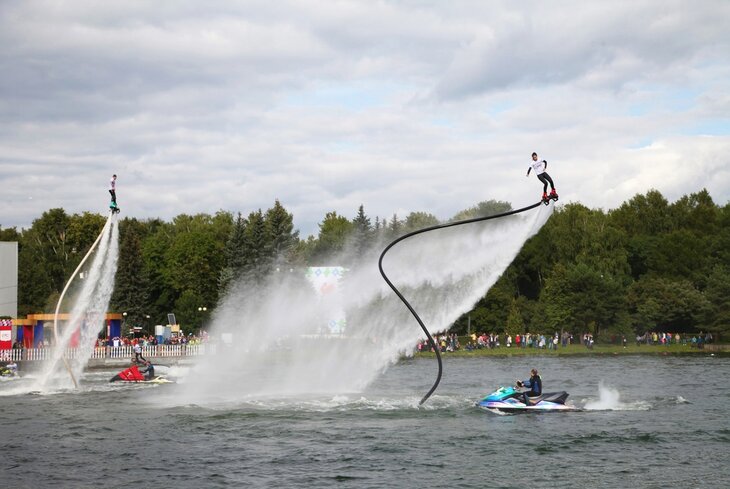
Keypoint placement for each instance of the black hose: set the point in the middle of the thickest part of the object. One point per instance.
(431, 341)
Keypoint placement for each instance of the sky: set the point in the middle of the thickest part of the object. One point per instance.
(399, 106)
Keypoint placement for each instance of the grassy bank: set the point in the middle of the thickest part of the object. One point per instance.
(578, 350)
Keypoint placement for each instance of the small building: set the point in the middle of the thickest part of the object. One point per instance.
(32, 331)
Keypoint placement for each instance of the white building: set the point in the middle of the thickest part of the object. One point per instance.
(9, 278)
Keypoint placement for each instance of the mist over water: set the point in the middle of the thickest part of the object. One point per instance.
(87, 313)
(276, 349)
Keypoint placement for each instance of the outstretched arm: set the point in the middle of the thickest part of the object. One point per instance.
(528, 171)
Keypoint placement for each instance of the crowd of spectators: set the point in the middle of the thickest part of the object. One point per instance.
(655, 338)
(450, 341)
(152, 340)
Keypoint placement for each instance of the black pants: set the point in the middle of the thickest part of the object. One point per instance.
(114, 195)
(528, 395)
(544, 178)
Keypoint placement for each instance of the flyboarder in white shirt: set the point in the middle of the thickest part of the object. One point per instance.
(540, 166)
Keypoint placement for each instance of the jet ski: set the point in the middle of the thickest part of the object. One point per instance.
(132, 374)
(8, 369)
(511, 400)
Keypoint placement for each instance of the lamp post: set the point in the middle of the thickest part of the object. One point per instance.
(147, 324)
(124, 324)
(202, 310)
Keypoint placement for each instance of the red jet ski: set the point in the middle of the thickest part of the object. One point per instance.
(132, 374)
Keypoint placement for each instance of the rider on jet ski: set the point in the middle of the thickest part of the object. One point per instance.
(149, 372)
(534, 383)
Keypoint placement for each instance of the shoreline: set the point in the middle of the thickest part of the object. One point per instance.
(580, 350)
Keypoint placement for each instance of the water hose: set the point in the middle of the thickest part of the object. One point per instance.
(431, 341)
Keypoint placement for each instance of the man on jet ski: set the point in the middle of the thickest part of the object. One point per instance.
(149, 372)
(534, 383)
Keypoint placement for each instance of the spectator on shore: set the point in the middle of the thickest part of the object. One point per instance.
(138, 358)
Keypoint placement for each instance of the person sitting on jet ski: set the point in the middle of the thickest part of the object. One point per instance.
(149, 372)
(534, 383)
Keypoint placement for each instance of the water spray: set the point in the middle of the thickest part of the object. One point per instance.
(431, 341)
(60, 299)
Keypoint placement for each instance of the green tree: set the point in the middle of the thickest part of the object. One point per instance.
(187, 312)
(258, 257)
(644, 214)
(154, 248)
(515, 322)
(718, 302)
(557, 301)
(419, 220)
(280, 233)
(334, 232)
(394, 228)
(483, 209)
(362, 232)
(234, 254)
(9, 234)
(46, 244)
(49, 252)
(131, 294)
(193, 263)
(662, 304)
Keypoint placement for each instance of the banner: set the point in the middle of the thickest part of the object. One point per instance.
(326, 281)
(6, 334)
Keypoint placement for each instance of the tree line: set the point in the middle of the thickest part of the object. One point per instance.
(648, 265)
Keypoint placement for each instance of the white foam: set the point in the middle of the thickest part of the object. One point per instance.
(609, 399)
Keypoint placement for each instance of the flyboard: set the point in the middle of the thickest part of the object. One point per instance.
(546, 198)
(431, 341)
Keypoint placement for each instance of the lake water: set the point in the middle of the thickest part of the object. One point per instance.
(652, 422)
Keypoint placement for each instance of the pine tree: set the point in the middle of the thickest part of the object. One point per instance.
(257, 259)
(362, 234)
(235, 253)
(280, 233)
(131, 292)
(395, 227)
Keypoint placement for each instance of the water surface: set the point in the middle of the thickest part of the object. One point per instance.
(652, 422)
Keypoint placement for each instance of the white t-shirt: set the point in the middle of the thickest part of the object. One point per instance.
(112, 184)
(538, 166)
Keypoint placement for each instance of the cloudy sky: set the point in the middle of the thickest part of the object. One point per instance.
(325, 105)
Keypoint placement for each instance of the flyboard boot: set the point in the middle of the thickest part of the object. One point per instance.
(545, 198)
(113, 207)
(553, 195)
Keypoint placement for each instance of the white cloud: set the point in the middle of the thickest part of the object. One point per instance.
(399, 106)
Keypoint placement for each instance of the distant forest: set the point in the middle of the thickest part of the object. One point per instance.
(649, 265)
